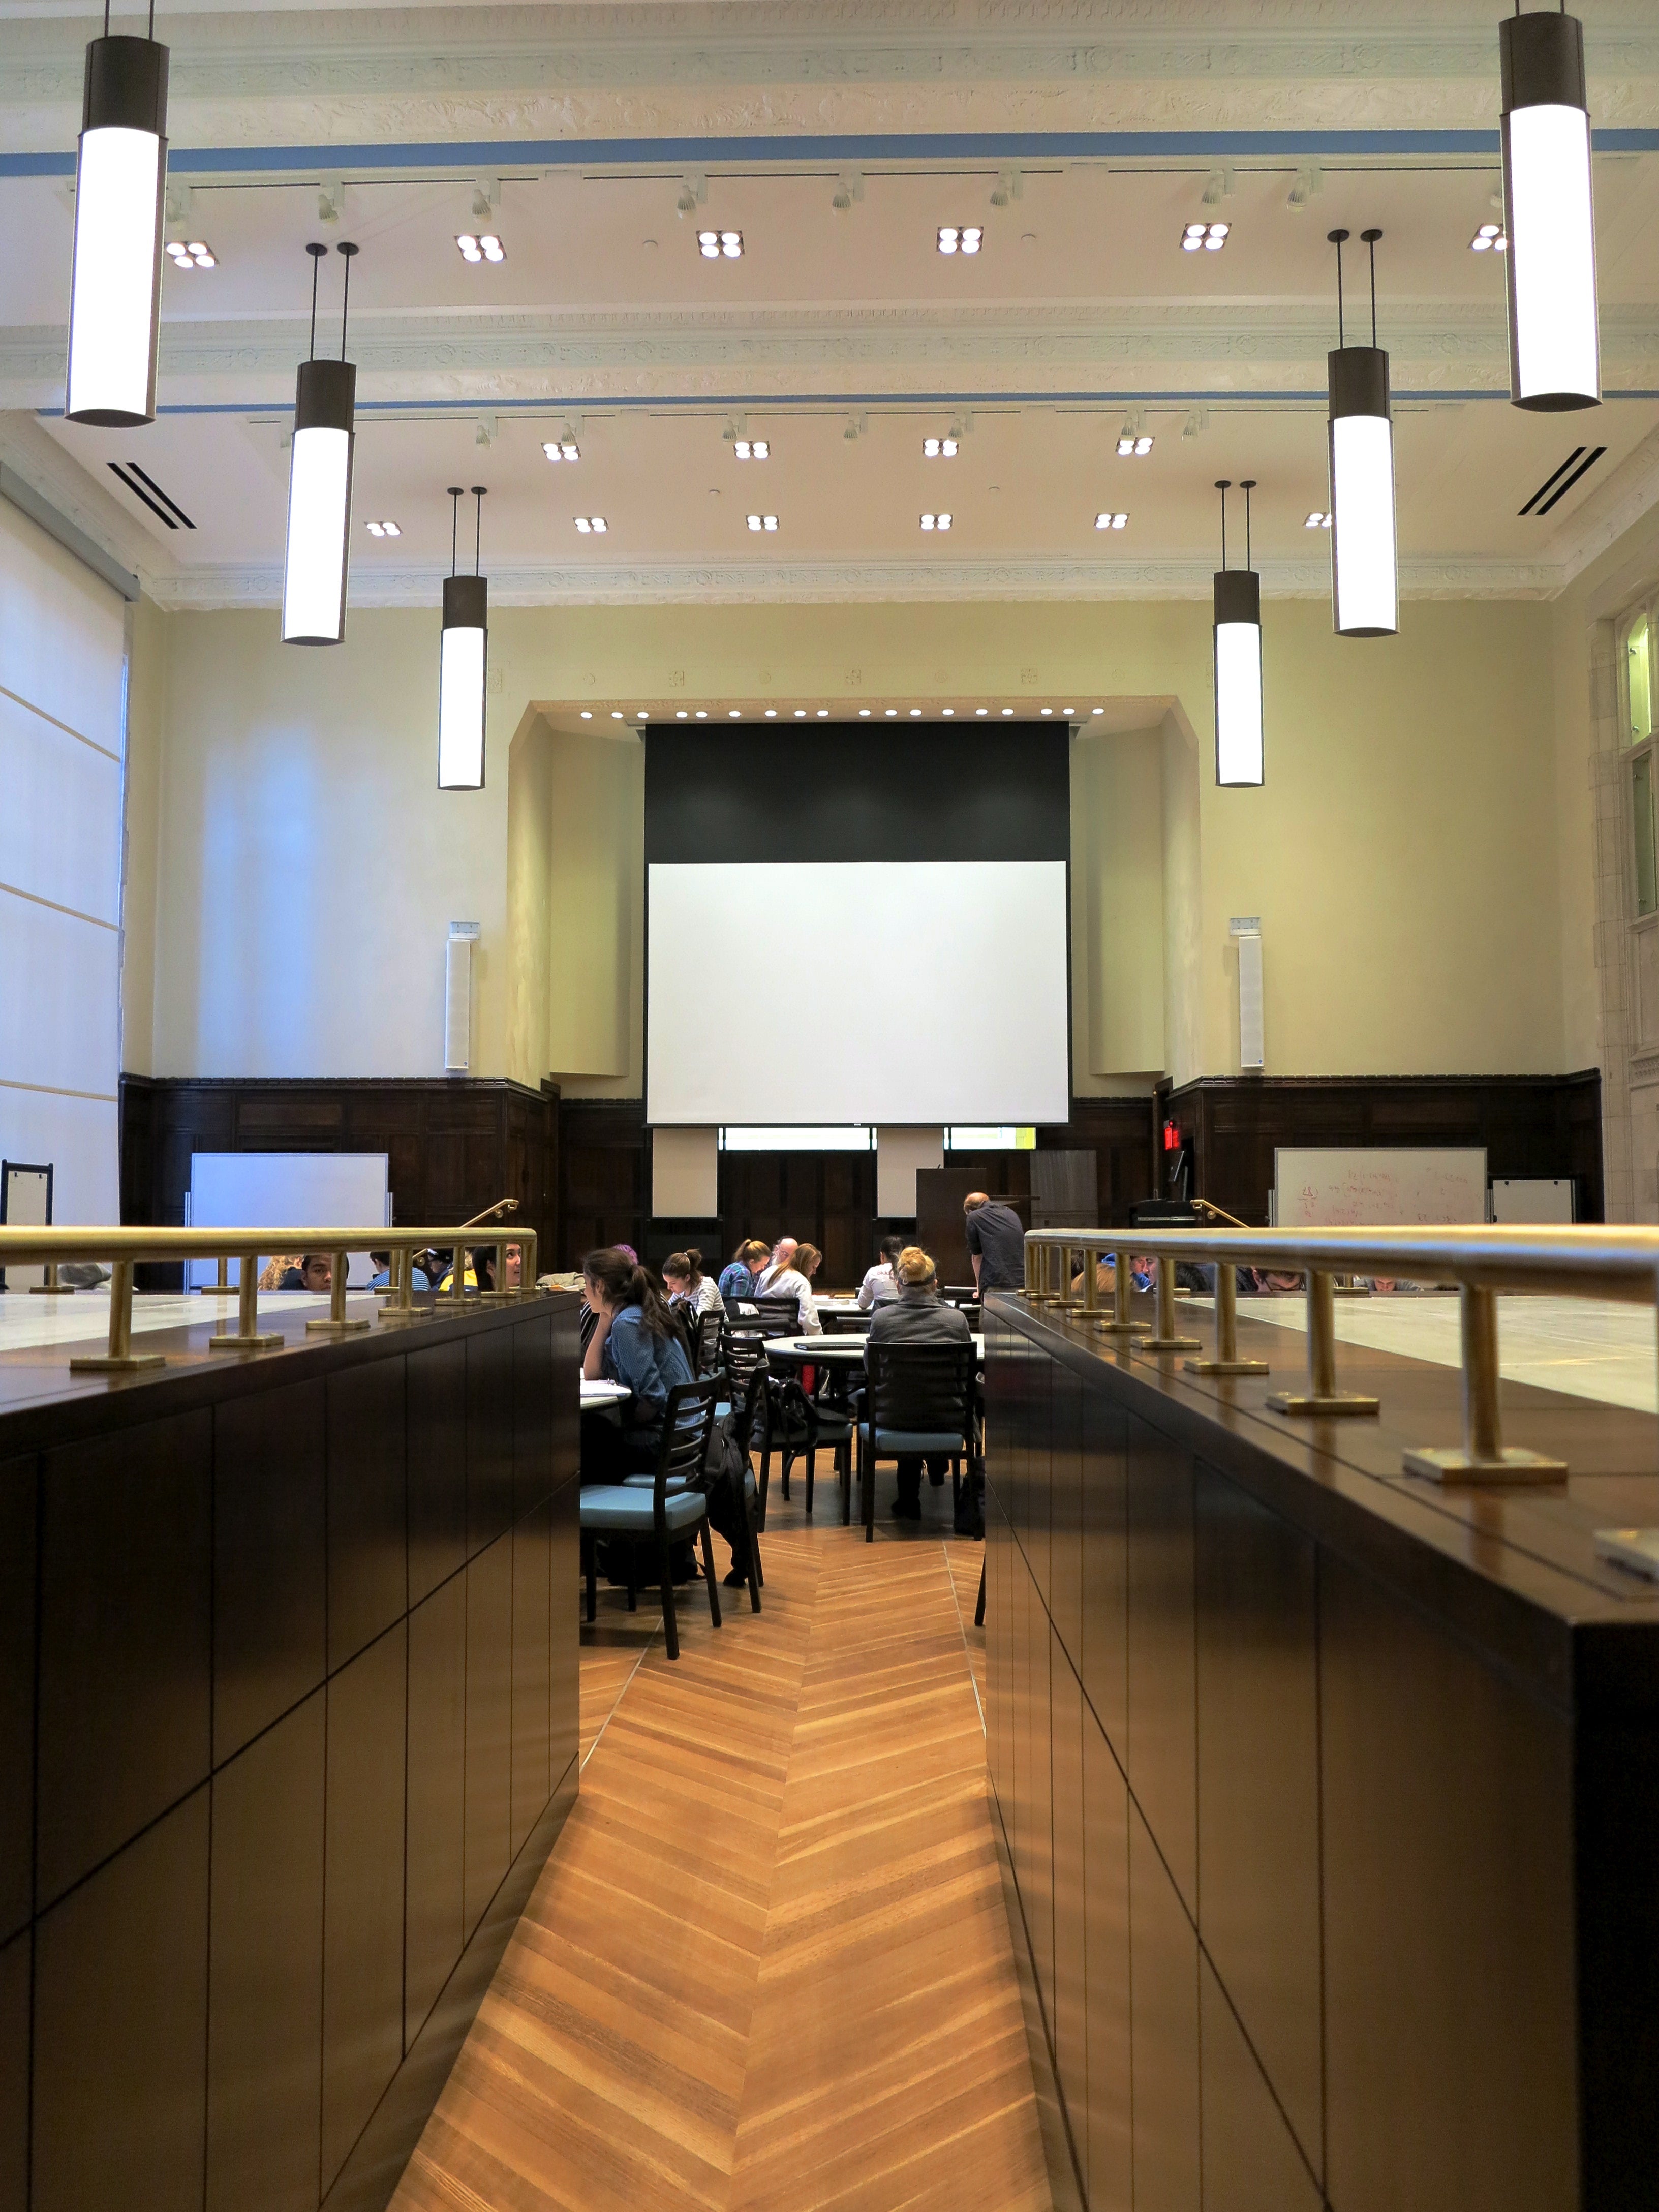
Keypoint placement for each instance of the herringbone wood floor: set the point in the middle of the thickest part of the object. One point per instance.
(766, 1968)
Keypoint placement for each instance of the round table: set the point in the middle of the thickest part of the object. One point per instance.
(596, 1395)
(831, 1350)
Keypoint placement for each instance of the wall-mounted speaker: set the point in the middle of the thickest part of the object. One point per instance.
(457, 997)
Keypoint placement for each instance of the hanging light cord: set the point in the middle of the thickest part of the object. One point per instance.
(345, 298)
(454, 522)
(1247, 484)
(1224, 484)
(316, 252)
(1338, 238)
(478, 492)
(1370, 238)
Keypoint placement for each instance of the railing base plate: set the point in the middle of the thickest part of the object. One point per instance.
(1169, 1344)
(100, 1363)
(324, 1327)
(1225, 1366)
(1124, 1328)
(245, 1343)
(1303, 1402)
(1512, 1464)
(53, 1290)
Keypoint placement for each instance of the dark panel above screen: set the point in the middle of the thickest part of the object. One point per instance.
(858, 791)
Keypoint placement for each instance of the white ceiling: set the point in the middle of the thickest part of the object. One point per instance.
(1080, 307)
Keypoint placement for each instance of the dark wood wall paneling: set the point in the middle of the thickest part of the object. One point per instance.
(453, 1145)
(1316, 1891)
(826, 1197)
(287, 1723)
(1545, 1125)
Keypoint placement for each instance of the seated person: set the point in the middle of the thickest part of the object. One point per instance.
(794, 1281)
(688, 1286)
(446, 1271)
(636, 1344)
(381, 1278)
(737, 1276)
(783, 1253)
(879, 1281)
(917, 1316)
(277, 1270)
(314, 1273)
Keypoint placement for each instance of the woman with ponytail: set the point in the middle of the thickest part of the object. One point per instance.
(636, 1344)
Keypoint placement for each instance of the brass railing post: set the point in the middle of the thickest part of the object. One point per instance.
(120, 1357)
(337, 1324)
(1484, 1457)
(49, 1287)
(246, 1337)
(222, 1288)
(1321, 1394)
(1165, 1338)
(1226, 1360)
(1121, 1324)
(402, 1308)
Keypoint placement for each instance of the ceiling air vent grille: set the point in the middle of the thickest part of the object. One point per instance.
(144, 487)
(1578, 463)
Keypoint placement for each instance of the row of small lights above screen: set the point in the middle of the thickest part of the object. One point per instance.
(823, 714)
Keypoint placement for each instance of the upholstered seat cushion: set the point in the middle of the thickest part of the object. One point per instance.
(912, 1440)
(621, 1506)
(677, 1481)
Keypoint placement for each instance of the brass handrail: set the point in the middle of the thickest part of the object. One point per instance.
(124, 1247)
(1617, 1264)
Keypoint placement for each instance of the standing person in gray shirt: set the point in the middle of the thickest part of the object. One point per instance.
(996, 1243)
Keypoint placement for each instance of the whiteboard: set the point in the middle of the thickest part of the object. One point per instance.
(1379, 1188)
(316, 1190)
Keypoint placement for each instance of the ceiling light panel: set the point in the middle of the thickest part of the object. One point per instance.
(762, 521)
(1205, 237)
(752, 449)
(592, 525)
(383, 530)
(1317, 520)
(720, 245)
(1134, 447)
(484, 245)
(562, 449)
(1490, 239)
(960, 238)
(1110, 521)
(198, 254)
(939, 449)
(935, 522)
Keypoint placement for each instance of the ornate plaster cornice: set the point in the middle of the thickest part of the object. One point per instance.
(859, 67)
(759, 583)
(830, 352)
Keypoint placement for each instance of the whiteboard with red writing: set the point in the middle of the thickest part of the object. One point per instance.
(1380, 1188)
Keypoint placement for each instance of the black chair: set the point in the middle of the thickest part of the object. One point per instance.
(669, 1508)
(845, 1324)
(805, 1422)
(776, 1316)
(710, 1328)
(918, 1399)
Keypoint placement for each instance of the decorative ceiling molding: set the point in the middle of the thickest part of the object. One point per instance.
(828, 352)
(314, 77)
(760, 583)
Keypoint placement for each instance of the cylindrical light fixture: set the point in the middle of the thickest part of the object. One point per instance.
(120, 188)
(1555, 353)
(1238, 747)
(1365, 559)
(319, 487)
(462, 666)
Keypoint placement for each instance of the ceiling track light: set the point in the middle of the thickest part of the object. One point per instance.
(1555, 353)
(1364, 557)
(120, 186)
(1238, 747)
(463, 660)
(316, 558)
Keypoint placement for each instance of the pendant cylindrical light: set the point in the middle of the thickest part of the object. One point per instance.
(1555, 355)
(1238, 719)
(320, 491)
(120, 182)
(1365, 559)
(462, 672)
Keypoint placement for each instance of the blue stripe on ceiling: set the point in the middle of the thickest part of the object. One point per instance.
(825, 402)
(898, 146)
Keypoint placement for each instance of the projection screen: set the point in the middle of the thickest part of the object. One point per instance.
(857, 925)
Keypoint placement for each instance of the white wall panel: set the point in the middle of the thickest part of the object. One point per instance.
(78, 1136)
(60, 815)
(63, 632)
(57, 1004)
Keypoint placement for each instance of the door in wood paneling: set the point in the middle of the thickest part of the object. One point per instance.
(265, 1982)
(488, 1438)
(437, 1414)
(120, 2028)
(270, 1558)
(368, 1506)
(533, 1383)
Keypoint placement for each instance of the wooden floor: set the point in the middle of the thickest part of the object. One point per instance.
(767, 1964)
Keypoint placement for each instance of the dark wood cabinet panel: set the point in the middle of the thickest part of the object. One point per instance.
(1251, 2162)
(270, 1558)
(363, 1892)
(488, 1438)
(17, 1510)
(1070, 2016)
(1163, 2033)
(489, 1724)
(1163, 1760)
(533, 1413)
(1021, 1596)
(1449, 2041)
(368, 1506)
(436, 1414)
(1040, 1801)
(14, 1969)
(437, 1801)
(1066, 1512)
(125, 1649)
(1106, 1972)
(1258, 1786)
(1103, 1549)
(564, 1704)
(265, 1978)
(532, 1548)
(120, 2028)
(1037, 1471)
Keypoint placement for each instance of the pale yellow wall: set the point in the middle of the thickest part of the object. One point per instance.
(1117, 909)
(1403, 855)
(529, 899)
(146, 675)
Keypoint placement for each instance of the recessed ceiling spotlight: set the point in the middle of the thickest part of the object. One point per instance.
(1133, 445)
(484, 247)
(587, 713)
(592, 523)
(752, 449)
(562, 449)
(771, 713)
(644, 714)
(1490, 239)
(615, 714)
(680, 715)
(762, 521)
(1007, 710)
(720, 245)
(702, 714)
(1048, 710)
(914, 711)
(939, 449)
(864, 713)
(1110, 521)
(383, 530)
(734, 714)
(1096, 710)
(800, 714)
(1204, 237)
(960, 238)
(935, 522)
(889, 712)
(1317, 520)
(822, 712)
(198, 254)
(981, 710)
